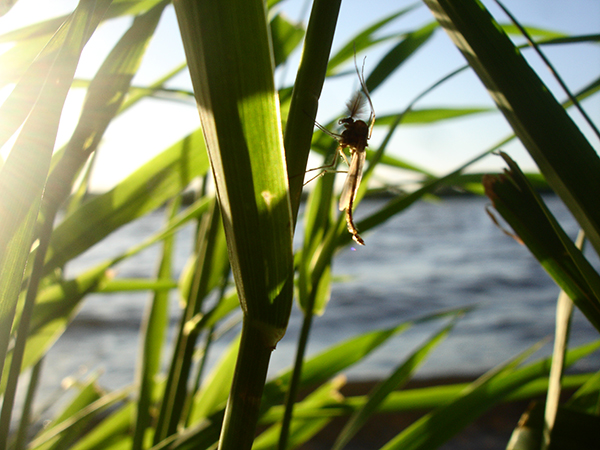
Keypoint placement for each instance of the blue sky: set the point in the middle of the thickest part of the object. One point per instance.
(144, 131)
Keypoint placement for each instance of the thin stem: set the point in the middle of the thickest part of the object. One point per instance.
(20, 442)
(23, 330)
(243, 405)
(294, 386)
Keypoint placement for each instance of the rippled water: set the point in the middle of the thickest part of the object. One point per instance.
(433, 257)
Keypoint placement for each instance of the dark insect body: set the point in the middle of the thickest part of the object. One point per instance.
(355, 138)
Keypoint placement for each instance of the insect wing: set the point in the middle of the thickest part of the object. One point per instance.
(353, 179)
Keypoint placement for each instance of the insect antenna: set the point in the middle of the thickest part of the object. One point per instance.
(365, 92)
(326, 131)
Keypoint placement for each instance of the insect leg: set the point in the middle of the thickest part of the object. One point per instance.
(328, 167)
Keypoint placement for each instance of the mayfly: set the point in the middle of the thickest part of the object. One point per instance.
(355, 137)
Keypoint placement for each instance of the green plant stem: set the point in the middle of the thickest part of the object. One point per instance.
(243, 405)
(153, 334)
(294, 386)
(23, 332)
(21, 440)
(307, 90)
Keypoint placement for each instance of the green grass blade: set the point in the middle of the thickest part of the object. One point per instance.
(523, 209)
(23, 176)
(241, 124)
(34, 61)
(587, 397)
(13, 259)
(286, 36)
(56, 303)
(153, 332)
(330, 362)
(104, 98)
(399, 54)
(364, 39)
(54, 309)
(418, 399)
(112, 431)
(302, 430)
(79, 418)
(437, 427)
(399, 377)
(239, 113)
(172, 407)
(567, 160)
(143, 191)
(88, 393)
(307, 90)
(213, 394)
(429, 115)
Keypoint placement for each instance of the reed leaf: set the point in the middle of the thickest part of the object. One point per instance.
(228, 50)
(562, 153)
(514, 198)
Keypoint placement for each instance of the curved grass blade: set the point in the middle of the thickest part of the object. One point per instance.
(143, 191)
(286, 36)
(22, 180)
(399, 377)
(437, 427)
(420, 399)
(540, 122)
(399, 54)
(104, 98)
(526, 213)
(364, 39)
(302, 430)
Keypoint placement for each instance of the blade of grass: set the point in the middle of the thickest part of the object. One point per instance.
(365, 39)
(564, 313)
(549, 65)
(56, 304)
(523, 209)
(305, 95)
(104, 98)
(539, 121)
(437, 427)
(144, 190)
(399, 54)
(417, 399)
(399, 377)
(54, 309)
(88, 393)
(302, 430)
(84, 414)
(22, 180)
(153, 332)
(177, 383)
(239, 112)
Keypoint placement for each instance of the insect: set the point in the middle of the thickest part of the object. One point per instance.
(354, 137)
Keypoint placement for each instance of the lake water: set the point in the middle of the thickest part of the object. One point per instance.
(433, 257)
